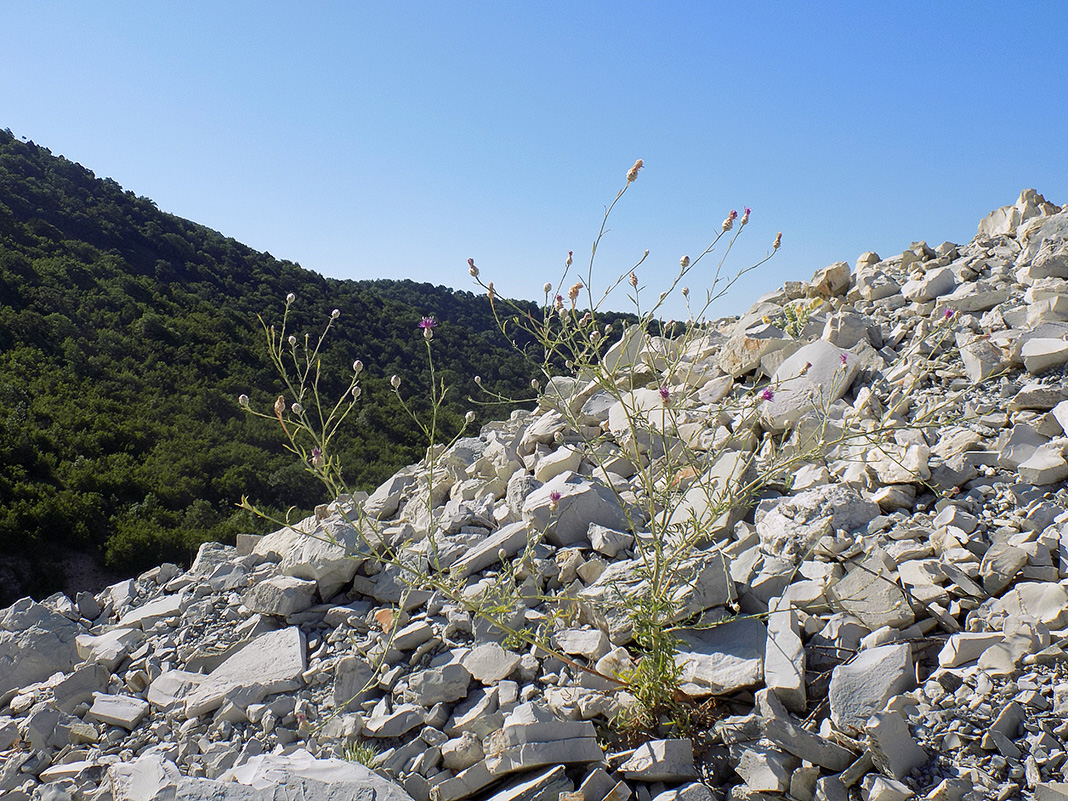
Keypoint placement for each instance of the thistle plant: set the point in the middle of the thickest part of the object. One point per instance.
(699, 456)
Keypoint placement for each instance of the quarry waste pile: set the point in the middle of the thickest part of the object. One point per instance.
(890, 621)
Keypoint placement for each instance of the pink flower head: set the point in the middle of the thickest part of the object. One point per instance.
(428, 322)
(745, 215)
(665, 394)
(317, 457)
(767, 395)
(949, 313)
(554, 499)
(844, 359)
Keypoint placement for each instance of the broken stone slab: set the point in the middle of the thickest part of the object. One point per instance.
(281, 596)
(590, 643)
(396, 723)
(272, 663)
(893, 749)
(610, 542)
(119, 710)
(35, 642)
(661, 761)
(808, 381)
(781, 728)
(548, 785)
(869, 593)
(1046, 465)
(109, 648)
(831, 281)
(860, 688)
(442, 685)
(489, 663)
(506, 542)
(579, 502)
(965, 647)
(1041, 354)
(78, 686)
(784, 656)
(765, 769)
(795, 523)
(167, 691)
(743, 352)
(723, 658)
(530, 739)
(931, 285)
(329, 554)
(149, 614)
(1038, 396)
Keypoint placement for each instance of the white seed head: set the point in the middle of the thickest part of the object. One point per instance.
(533, 383)
(290, 297)
(296, 408)
(335, 314)
(478, 380)
(395, 381)
(356, 392)
(357, 367)
(469, 418)
(242, 400)
(292, 340)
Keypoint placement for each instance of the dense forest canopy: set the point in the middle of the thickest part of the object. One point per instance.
(126, 335)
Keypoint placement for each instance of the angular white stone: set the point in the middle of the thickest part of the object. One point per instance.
(862, 687)
(809, 381)
(119, 710)
(272, 663)
(723, 658)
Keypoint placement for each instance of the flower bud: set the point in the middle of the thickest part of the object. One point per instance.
(547, 287)
(357, 367)
(685, 262)
(317, 459)
(632, 173)
(280, 405)
(573, 292)
(242, 400)
(395, 381)
(296, 408)
(533, 383)
(778, 241)
(356, 392)
(292, 340)
(633, 280)
(290, 297)
(745, 216)
(490, 293)
(471, 268)
(686, 292)
(469, 418)
(567, 261)
(478, 380)
(608, 329)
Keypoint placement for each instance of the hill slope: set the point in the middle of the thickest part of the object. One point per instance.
(126, 335)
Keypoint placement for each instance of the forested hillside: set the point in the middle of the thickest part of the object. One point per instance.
(126, 335)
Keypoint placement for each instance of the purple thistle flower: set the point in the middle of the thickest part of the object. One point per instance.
(554, 496)
(949, 313)
(844, 359)
(665, 394)
(428, 322)
(317, 457)
(767, 395)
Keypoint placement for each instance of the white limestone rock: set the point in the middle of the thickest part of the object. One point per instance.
(566, 521)
(808, 381)
(281, 596)
(35, 642)
(792, 526)
(723, 658)
(661, 761)
(272, 663)
(862, 687)
(118, 710)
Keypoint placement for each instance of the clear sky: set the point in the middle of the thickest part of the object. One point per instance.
(396, 140)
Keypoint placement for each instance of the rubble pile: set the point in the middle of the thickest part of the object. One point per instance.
(884, 620)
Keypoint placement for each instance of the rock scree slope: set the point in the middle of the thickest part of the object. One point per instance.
(892, 618)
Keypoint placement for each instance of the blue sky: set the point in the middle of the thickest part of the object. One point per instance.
(388, 140)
